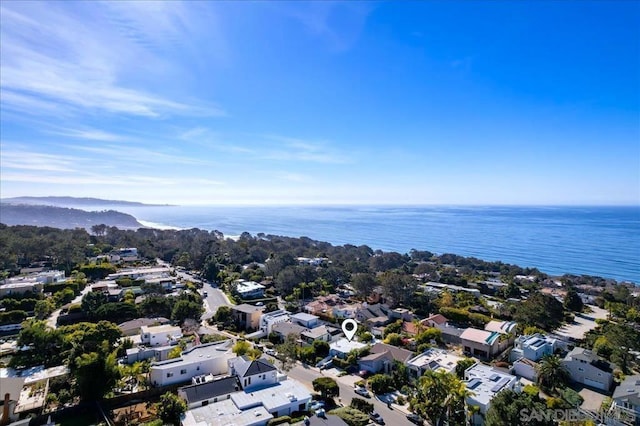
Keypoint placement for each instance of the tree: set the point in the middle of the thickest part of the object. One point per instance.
(440, 397)
(185, 309)
(170, 408)
(96, 374)
(364, 284)
(241, 347)
(43, 308)
(540, 310)
(288, 352)
(462, 366)
(572, 300)
(398, 287)
(551, 373)
(92, 301)
(509, 408)
(321, 348)
(394, 339)
(380, 383)
(327, 387)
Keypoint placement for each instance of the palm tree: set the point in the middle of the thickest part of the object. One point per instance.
(551, 373)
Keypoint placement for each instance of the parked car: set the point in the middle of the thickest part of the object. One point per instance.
(316, 405)
(325, 363)
(205, 294)
(362, 391)
(271, 352)
(376, 418)
(414, 418)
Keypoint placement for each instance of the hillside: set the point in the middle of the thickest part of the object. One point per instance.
(73, 202)
(65, 218)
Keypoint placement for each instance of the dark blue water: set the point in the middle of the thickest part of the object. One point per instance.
(603, 241)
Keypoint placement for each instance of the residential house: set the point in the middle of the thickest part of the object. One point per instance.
(526, 368)
(322, 306)
(451, 334)
(141, 353)
(209, 358)
(485, 382)
(305, 320)
(142, 273)
(159, 335)
(482, 344)
(532, 347)
(252, 374)
(280, 399)
(284, 329)
(269, 319)
(345, 310)
(319, 333)
(625, 406)
(403, 314)
(247, 316)
(432, 360)
(225, 412)
(589, 369)
(375, 315)
(436, 320)
(503, 327)
(381, 362)
(132, 328)
(342, 347)
(208, 389)
(249, 289)
(381, 358)
(33, 282)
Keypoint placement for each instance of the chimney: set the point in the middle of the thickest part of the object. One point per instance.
(5, 410)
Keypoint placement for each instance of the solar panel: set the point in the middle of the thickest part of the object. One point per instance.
(500, 384)
(473, 383)
(494, 377)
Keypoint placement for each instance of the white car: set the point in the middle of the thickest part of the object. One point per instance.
(271, 352)
(362, 391)
(316, 405)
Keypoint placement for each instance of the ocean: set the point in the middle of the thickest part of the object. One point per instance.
(602, 241)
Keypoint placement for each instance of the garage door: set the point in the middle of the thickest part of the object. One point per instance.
(595, 384)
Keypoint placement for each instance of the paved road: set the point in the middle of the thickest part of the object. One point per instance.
(215, 297)
(306, 375)
(52, 321)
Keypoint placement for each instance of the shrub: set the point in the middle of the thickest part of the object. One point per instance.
(279, 420)
(571, 396)
(400, 400)
(351, 416)
(362, 405)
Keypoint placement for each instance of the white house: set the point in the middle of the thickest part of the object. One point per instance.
(249, 289)
(485, 382)
(342, 347)
(225, 412)
(253, 374)
(280, 399)
(532, 347)
(305, 319)
(433, 359)
(269, 319)
(159, 335)
(210, 358)
(586, 367)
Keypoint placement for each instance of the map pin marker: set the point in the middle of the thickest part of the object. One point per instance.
(349, 327)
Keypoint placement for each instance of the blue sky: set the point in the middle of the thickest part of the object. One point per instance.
(318, 103)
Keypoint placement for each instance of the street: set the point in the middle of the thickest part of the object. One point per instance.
(307, 375)
(214, 299)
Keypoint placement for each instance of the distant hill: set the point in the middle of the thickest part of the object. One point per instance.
(62, 217)
(73, 202)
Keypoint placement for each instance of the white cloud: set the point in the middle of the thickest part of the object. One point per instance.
(90, 134)
(293, 149)
(67, 56)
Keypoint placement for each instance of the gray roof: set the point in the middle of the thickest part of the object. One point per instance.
(249, 367)
(12, 386)
(398, 354)
(287, 328)
(247, 309)
(591, 358)
(629, 387)
(204, 391)
(330, 420)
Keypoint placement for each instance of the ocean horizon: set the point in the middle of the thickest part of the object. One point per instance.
(593, 240)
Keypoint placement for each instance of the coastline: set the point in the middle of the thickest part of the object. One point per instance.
(591, 241)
